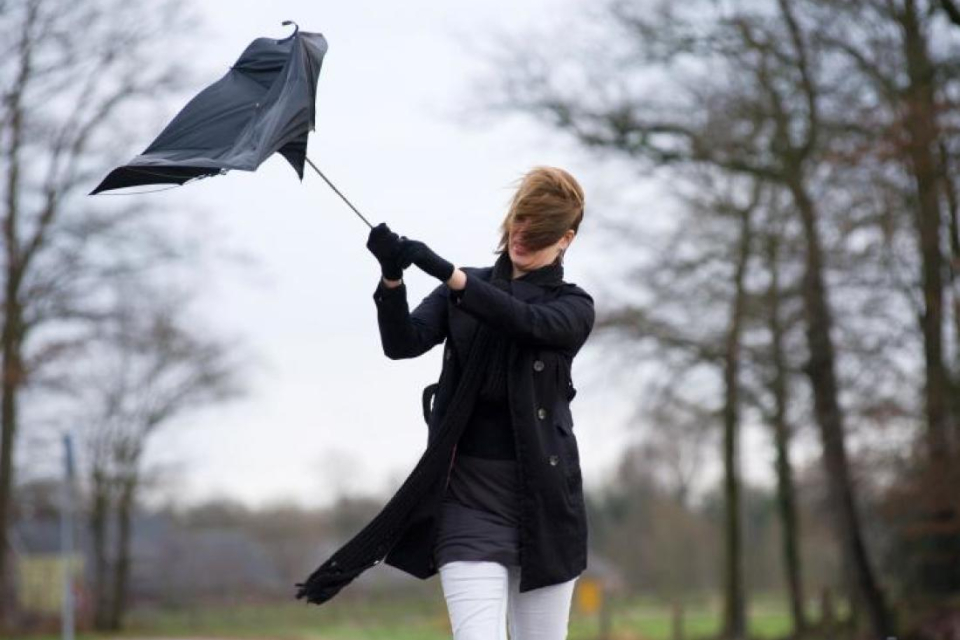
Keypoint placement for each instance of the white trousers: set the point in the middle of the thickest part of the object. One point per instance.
(483, 599)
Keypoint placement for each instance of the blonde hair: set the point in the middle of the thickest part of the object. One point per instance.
(550, 201)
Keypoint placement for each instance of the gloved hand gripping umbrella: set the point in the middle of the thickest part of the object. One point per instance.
(264, 104)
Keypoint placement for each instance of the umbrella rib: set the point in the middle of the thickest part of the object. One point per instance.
(337, 191)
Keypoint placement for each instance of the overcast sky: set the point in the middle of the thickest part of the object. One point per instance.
(327, 411)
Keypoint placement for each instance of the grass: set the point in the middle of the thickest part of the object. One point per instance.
(397, 617)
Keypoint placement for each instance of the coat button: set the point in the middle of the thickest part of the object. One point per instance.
(538, 365)
(541, 413)
(446, 355)
(554, 460)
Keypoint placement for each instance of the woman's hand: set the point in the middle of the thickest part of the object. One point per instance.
(418, 253)
(384, 244)
(458, 280)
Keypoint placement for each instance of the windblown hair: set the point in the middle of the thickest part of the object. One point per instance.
(550, 201)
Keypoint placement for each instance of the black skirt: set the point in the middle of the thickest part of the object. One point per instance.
(480, 512)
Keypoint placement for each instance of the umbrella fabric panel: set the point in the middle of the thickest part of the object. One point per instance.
(139, 176)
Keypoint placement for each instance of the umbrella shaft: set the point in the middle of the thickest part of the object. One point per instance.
(337, 191)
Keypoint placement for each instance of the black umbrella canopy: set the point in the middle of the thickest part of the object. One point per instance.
(265, 103)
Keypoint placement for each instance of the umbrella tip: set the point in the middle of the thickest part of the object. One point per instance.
(295, 25)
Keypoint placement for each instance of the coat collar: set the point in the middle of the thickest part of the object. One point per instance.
(531, 284)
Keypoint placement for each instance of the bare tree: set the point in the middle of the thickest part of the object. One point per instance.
(748, 97)
(779, 390)
(677, 449)
(907, 75)
(735, 618)
(71, 76)
(689, 268)
(145, 370)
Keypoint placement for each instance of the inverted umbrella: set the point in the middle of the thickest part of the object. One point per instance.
(264, 104)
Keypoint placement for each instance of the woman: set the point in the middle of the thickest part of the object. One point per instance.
(509, 537)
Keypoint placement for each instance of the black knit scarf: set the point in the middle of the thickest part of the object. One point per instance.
(494, 386)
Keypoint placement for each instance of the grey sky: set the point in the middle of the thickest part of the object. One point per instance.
(328, 411)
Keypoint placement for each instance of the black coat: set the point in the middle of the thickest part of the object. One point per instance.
(548, 321)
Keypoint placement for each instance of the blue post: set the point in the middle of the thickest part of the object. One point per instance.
(66, 538)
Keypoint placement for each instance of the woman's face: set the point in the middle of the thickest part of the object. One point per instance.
(526, 259)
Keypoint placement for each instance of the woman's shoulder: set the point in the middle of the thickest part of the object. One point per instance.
(571, 288)
(565, 288)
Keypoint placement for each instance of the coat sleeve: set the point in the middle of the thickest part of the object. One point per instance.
(405, 334)
(564, 322)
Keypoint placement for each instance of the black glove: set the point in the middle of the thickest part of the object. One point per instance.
(385, 246)
(416, 252)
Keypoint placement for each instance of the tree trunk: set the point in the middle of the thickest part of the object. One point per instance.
(953, 226)
(735, 619)
(786, 495)
(821, 370)
(99, 526)
(11, 336)
(121, 572)
(12, 378)
(940, 553)
(920, 124)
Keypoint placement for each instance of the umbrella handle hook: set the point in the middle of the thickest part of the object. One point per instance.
(296, 28)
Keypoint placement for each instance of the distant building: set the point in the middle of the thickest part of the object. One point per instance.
(39, 566)
(168, 564)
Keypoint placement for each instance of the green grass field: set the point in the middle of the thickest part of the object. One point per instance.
(393, 617)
